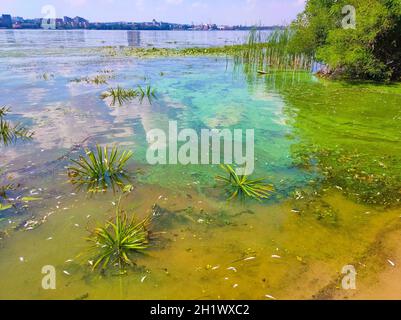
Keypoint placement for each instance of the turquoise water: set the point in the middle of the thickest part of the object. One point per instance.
(299, 239)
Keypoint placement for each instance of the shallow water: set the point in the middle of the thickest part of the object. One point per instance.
(39, 39)
(324, 214)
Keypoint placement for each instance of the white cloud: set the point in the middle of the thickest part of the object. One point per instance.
(174, 2)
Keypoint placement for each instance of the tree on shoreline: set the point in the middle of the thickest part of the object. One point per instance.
(371, 50)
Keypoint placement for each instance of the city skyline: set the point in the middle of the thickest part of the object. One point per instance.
(222, 12)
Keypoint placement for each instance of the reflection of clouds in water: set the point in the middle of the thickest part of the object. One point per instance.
(8, 154)
(275, 104)
(225, 116)
(34, 95)
(127, 117)
(61, 126)
(172, 103)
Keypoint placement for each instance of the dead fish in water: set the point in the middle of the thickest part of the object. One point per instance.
(66, 272)
(274, 256)
(143, 278)
(391, 263)
(21, 259)
(232, 269)
(250, 258)
(216, 267)
(69, 260)
(270, 297)
(244, 259)
(235, 286)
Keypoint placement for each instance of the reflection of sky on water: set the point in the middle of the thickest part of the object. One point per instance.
(45, 39)
(197, 92)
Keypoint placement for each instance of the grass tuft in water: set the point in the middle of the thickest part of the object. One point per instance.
(118, 239)
(120, 95)
(97, 80)
(10, 133)
(242, 187)
(100, 169)
(148, 92)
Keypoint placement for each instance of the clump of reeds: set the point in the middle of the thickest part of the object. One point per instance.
(120, 95)
(10, 133)
(241, 186)
(273, 53)
(100, 169)
(118, 239)
(148, 92)
(98, 80)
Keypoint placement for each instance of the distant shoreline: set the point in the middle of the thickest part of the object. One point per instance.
(173, 30)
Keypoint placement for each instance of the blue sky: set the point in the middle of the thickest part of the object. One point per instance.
(231, 12)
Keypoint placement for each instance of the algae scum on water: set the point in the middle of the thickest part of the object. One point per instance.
(328, 152)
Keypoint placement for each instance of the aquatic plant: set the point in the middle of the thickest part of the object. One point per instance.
(46, 76)
(10, 133)
(149, 93)
(98, 80)
(100, 169)
(120, 95)
(243, 187)
(4, 189)
(119, 238)
(273, 53)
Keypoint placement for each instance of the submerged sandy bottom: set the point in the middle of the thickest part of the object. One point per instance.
(247, 253)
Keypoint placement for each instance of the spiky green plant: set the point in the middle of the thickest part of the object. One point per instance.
(10, 133)
(100, 169)
(120, 95)
(118, 239)
(240, 186)
(148, 92)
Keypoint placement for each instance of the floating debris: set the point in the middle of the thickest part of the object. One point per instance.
(21, 259)
(235, 286)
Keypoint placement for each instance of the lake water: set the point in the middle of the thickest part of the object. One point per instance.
(37, 39)
(331, 149)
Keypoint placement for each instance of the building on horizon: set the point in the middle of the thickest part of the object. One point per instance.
(6, 21)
